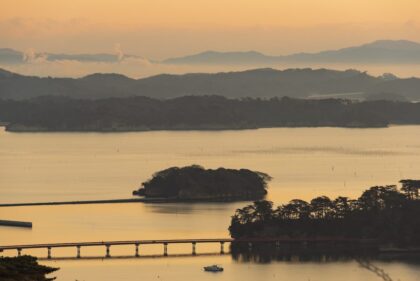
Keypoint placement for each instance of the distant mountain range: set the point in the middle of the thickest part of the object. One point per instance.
(267, 82)
(382, 51)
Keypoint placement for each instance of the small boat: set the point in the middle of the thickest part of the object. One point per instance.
(213, 268)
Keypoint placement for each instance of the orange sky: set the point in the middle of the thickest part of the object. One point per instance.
(161, 28)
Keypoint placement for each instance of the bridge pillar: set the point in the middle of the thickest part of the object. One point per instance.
(137, 250)
(222, 250)
(193, 248)
(165, 249)
(108, 254)
(19, 251)
(78, 252)
(49, 253)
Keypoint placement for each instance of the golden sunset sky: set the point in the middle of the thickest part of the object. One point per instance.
(162, 28)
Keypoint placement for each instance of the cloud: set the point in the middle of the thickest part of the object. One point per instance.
(30, 56)
(118, 51)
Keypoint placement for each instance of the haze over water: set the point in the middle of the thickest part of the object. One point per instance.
(304, 162)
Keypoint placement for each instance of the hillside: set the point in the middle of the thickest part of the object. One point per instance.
(262, 83)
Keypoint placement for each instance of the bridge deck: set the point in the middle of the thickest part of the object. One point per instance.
(178, 241)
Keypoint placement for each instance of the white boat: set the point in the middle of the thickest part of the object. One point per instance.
(213, 268)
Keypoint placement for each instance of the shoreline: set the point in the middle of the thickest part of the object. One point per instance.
(12, 129)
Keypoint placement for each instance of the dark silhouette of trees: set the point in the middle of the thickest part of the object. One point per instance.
(199, 112)
(342, 206)
(321, 207)
(383, 213)
(411, 188)
(380, 197)
(296, 209)
(23, 268)
(196, 183)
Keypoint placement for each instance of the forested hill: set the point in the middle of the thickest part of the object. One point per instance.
(252, 83)
(197, 183)
(201, 113)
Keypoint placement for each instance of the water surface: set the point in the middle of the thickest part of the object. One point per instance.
(304, 162)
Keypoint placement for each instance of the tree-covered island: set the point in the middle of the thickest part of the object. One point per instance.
(23, 268)
(196, 183)
(382, 214)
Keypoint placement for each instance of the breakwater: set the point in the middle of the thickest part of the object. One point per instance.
(15, 223)
(106, 201)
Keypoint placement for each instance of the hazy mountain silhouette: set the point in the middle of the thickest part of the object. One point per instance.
(213, 57)
(265, 82)
(10, 56)
(382, 51)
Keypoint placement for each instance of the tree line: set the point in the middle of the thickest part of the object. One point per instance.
(383, 213)
(198, 112)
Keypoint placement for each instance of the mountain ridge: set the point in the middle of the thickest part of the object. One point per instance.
(402, 51)
(385, 51)
(261, 83)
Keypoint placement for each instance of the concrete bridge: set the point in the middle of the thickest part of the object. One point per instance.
(165, 243)
(108, 244)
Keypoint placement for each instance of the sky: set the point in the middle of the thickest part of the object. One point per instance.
(161, 29)
(165, 28)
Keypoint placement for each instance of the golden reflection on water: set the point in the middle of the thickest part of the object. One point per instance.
(303, 162)
(190, 268)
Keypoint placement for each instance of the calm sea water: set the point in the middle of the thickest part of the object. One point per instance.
(304, 162)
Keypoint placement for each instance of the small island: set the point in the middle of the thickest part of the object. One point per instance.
(194, 183)
(24, 268)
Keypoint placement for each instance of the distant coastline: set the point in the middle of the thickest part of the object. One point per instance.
(61, 114)
(24, 129)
